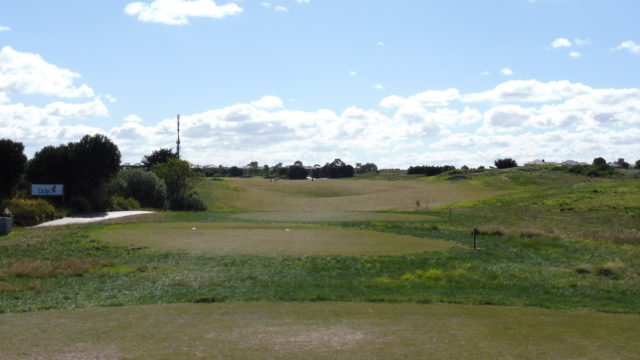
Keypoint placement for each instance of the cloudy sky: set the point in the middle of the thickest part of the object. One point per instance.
(398, 83)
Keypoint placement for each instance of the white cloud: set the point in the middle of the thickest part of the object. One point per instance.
(506, 71)
(582, 42)
(303, 1)
(178, 12)
(132, 118)
(575, 54)
(378, 87)
(380, 43)
(353, 73)
(268, 102)
(281, 9)
(427, 98)
(485, 73)
(561, 43)
(4, 28)
(529, 91)
(265, 4)
(629, 46)
(27, 73)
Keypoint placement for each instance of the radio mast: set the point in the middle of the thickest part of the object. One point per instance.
(178, 141)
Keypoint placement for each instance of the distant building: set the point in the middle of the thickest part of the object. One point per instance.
(540, 162)
(573, 162)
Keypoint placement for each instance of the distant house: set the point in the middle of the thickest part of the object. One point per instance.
(540, 162)
(573, 163)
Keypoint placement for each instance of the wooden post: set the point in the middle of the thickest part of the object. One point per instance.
(449, 213)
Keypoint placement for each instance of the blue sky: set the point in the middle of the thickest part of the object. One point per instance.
(398, 83)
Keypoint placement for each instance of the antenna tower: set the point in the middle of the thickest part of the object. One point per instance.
(178, 141)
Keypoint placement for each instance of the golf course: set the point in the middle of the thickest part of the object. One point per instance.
(521, 263)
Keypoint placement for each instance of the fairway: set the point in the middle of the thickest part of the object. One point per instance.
(303, 216)
(266, 239)
(318, 331)
(342, 195)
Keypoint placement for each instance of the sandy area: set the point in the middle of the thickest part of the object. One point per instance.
(92, 218)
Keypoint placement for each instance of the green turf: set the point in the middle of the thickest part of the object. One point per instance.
(550, 239)
(318, 331)
(266, 239)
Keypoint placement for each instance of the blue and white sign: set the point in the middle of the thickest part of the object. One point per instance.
(47, 189)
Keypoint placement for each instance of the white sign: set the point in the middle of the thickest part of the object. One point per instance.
(47, 189)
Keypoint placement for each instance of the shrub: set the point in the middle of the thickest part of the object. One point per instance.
(122, 204)
(78, 205)
(144, 186)
(187, 202)
(235, 171)
(505, 163)
(28, 212)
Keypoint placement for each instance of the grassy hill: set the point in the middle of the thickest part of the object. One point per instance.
(545, 239)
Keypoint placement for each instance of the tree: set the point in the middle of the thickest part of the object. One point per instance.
(297, 172)
(179, 179)
(505, 163)
(142, 185)
(638, 164)
(235, 171)
(623, 164)
(158, 156)
(13, 163)
(600, 163)
(366, 168)
(85, 168)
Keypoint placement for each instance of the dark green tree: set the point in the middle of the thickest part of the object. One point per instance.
(505, 163)
(13, 163)
(85, 168)
(158, 156)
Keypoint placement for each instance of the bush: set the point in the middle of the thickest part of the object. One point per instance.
(78, 205)
(144, 186)
(505, 163)
(118, 203)
(429, 170)
(235, 171)
(187, 202)
(28, 212)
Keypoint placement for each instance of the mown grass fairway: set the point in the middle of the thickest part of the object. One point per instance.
(318, 331)
(322, 216)
(343, 195)
(266, 239)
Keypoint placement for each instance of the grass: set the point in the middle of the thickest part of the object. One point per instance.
(546, 239)
(266, 239)
(319, 331)
(339, 195)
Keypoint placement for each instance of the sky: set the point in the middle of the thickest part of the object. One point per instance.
(397, 83)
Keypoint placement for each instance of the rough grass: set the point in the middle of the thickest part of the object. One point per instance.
(267, 239)
(318, 331)
(340, 195)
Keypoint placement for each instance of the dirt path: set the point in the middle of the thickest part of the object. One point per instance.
(92, 218)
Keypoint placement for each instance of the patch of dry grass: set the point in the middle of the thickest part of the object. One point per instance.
(318, 331)
(43, 268)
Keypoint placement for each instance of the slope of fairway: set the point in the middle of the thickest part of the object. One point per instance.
(318, 331)
(341, 195)
(302, 216)
(266, 239)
